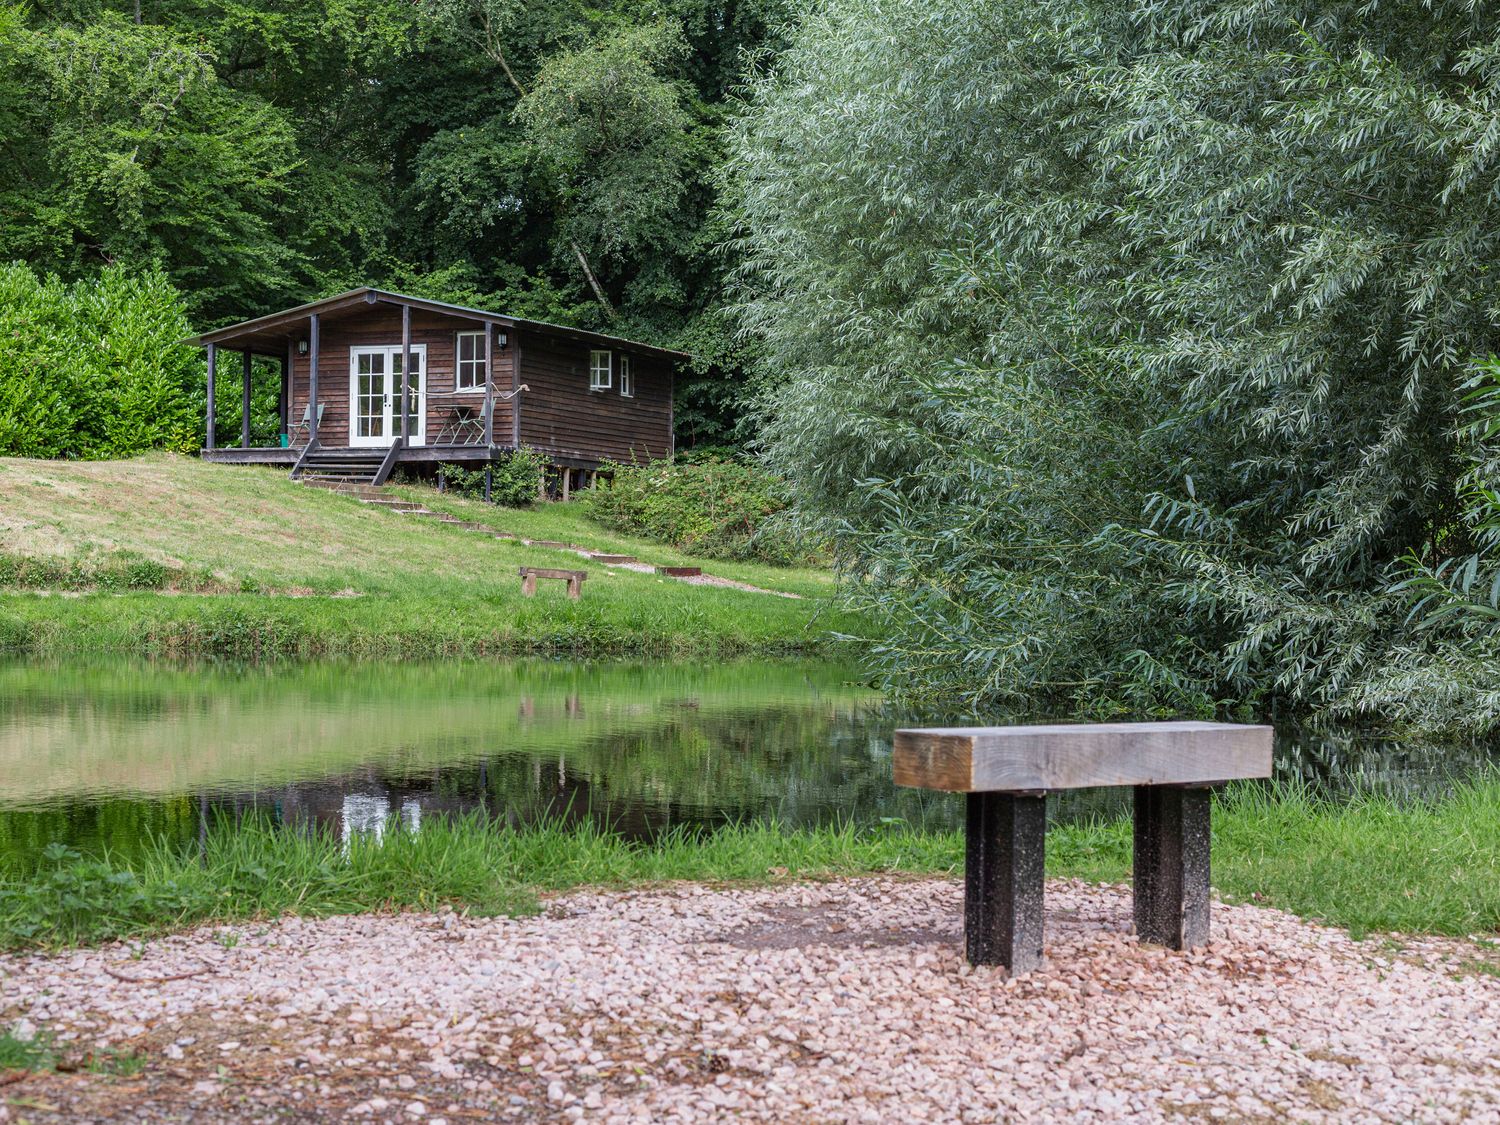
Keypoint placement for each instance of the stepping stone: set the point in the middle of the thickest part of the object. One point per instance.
(679, 571)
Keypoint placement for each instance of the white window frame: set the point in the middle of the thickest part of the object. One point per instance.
(627, 376)
(480, 359)
(601, 378)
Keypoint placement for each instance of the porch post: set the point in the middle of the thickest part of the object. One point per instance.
(312, 378)
(405, 373)
(489, 386)
(245, 399)
(212, 363)
(284, 399)
(515, 383)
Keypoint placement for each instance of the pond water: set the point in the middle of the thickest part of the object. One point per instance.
(102, 755)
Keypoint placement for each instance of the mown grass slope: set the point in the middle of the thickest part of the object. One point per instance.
(256, 565)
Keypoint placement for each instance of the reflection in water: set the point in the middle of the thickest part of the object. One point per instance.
(107, 755)
(370, 814)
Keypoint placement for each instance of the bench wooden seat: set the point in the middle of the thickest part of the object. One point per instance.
(574, 579)
(1007, 772)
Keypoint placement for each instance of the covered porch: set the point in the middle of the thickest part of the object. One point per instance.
(369, 380)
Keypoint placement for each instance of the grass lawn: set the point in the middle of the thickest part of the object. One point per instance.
(256, 566)
(1369, 866)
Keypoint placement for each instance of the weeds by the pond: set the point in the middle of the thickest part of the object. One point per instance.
(1371, 864)
(38, 1051)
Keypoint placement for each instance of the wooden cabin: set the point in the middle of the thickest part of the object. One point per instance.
(371, 379)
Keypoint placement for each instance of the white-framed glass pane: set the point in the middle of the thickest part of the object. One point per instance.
(627, 377)
(469, 375)
(369, 395)
(600, 370)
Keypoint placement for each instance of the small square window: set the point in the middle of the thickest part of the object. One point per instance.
(601, 370)
(469, 370)
(627, 377)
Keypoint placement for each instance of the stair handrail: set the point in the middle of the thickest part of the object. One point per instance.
(388, 465)
(312, 444)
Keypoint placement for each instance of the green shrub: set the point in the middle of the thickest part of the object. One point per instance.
(715, 508)
(72, 898)
(95, 369)
(513, 481)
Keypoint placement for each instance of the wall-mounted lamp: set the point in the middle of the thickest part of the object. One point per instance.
(301, 347)
(500, 341)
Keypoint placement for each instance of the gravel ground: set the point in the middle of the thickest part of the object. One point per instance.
(839, 1001)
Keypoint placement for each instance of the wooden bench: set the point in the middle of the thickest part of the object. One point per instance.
(1007, 772)
(574, 579)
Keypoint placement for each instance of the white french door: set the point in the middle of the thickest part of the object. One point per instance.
(375, 395)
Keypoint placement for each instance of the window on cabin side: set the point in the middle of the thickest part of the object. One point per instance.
(627, 377)
(601, 370)
(469, 374)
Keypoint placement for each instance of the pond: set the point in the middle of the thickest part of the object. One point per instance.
(104, 755)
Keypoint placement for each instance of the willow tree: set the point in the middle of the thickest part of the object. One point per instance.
(1120, 349)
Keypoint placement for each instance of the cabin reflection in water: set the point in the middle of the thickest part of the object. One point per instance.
(370, 802)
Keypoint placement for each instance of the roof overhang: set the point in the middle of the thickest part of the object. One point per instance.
(270, 334)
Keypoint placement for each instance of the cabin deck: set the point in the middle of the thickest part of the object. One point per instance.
(417, 454)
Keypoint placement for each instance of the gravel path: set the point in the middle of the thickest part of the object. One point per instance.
(840, 1001)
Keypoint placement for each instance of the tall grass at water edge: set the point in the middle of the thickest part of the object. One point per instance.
(1368, 864)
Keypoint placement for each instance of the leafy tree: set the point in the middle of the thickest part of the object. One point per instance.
(265, 152)
(137, 153)
(612, 135)
(1121, 350)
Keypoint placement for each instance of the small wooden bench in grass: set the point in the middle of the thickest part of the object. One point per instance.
(574, 579)
(1007, 772)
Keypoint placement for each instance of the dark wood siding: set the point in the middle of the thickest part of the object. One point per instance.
(381, 326)
(565, 420)
(559, 416)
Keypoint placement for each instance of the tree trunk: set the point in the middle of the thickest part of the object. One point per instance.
(588, 272)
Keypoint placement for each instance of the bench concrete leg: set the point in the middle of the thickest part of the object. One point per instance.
(1004, 876)
(1171, 865)
(528, 585)
(575, 588)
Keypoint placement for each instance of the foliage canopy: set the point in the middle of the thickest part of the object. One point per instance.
(95, 369)
(556, 160)
(1123, 350)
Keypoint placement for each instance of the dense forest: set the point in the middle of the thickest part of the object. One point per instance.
(551, 158)
(1130, 359)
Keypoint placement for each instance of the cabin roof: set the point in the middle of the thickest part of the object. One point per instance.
(263, 329)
